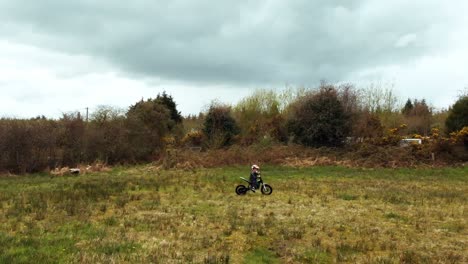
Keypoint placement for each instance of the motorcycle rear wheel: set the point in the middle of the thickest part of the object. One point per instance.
(241, 189)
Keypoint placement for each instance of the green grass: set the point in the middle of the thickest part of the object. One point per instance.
(315, 215)
(314, 255)
(260, 256)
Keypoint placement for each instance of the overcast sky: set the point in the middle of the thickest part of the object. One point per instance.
(59, 56)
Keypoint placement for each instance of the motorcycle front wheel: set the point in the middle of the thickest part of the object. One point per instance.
(266, 189)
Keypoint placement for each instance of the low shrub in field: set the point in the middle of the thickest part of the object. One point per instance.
(193, 138)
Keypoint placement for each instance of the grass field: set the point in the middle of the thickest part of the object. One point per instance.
(315, 215)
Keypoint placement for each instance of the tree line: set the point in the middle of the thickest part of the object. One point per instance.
(330, 115)
(327, 116)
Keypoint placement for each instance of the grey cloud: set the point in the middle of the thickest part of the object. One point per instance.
(236, 42)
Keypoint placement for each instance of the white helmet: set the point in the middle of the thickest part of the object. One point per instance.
(255, 167)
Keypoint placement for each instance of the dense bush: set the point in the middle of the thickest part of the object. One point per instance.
(28, 145)
(219, 126)
(147, 123)
(418, 117)
(261, 116)
(106, 136)
(72, 139)
(110, 136)
(367, 126)
(193, 139)
(458, 116)
(319, 119)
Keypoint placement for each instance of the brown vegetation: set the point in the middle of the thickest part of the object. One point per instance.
(357, 155)
(364, 127)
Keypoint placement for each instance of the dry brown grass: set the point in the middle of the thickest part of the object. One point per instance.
(315, 215)
(362, 155)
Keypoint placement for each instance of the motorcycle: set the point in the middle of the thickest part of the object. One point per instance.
(264, 188)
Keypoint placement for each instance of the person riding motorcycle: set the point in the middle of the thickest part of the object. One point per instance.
(255, 172)
(255, 182)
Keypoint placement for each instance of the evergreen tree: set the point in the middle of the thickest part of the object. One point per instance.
(458, 116)
(407, 108)
(168, 101)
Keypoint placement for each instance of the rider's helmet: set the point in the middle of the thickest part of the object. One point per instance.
(255, 167)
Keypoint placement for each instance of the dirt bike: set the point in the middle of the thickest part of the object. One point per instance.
(264, 188)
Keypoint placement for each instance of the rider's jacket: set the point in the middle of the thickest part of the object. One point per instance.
(253, 176)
